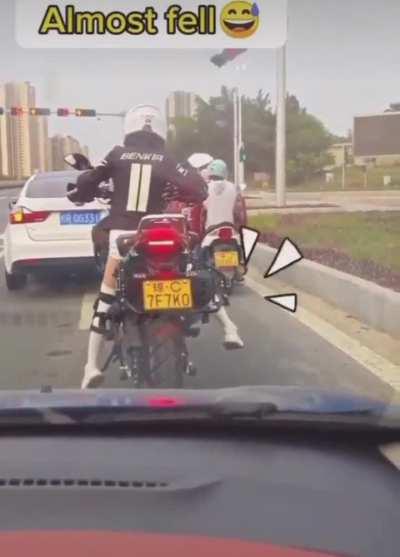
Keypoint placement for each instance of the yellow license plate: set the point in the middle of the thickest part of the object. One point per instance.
(167, 294)
(226, 259)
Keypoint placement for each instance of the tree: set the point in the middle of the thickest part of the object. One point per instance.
(307, 143)
(215, 125)
(259, 133)
(183, 137)
(211, 130)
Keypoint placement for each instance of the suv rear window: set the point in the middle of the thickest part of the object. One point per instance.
(50, 186)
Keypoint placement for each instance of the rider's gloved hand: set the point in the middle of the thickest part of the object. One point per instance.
(170, 193)
(105, 192)
(72, 193)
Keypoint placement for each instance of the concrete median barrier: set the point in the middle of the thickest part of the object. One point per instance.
(11, 184)
(372, 304)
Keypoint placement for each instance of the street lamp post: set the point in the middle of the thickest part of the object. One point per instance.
(236, 119)
(280, 157)
(344, 168)
(280, 161)
(240, 141)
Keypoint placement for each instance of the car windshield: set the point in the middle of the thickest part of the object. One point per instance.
(202, 200)
(51, 185)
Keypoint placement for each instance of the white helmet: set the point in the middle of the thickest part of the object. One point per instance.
(200, 160)
(145, 118)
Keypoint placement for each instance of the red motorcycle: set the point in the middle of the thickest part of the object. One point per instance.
(221, 248)
(163, 291)
(196, 214)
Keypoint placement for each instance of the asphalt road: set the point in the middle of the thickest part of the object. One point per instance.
(43, 342)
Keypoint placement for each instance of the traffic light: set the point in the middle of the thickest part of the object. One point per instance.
(63, 112)
(88, 112)
(243, 155)
(227, 55)
(39, 111)
(16, 111)
(1, 110)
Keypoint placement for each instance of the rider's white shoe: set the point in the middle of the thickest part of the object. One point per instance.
(92, 378)
(232, 340)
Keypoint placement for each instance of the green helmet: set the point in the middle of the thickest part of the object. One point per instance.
(218, 169)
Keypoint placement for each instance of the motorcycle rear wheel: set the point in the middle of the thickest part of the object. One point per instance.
(167, 354)
(163, 357)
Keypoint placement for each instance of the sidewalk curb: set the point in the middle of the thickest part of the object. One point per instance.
(11, 186)
(372, 304)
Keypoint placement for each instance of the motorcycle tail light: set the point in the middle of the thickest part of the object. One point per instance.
(162, 247)
(225, 233)
(160, 242)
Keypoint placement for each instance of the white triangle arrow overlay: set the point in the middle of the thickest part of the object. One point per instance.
(288, 254)
(249, 238)
(285, 301)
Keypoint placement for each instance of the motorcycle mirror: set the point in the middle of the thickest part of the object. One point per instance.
(78, 161)
(243, 187)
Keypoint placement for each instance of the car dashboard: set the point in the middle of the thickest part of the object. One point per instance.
(275, 491)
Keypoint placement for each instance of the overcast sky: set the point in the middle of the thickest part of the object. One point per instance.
(343, 59)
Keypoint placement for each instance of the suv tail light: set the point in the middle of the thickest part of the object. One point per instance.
(24, 216)
(225, 233)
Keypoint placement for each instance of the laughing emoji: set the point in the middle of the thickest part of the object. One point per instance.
(240, 20)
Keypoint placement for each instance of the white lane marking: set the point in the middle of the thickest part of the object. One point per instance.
(86, 311)
(379, 366)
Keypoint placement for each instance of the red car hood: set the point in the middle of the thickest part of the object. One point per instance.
(104, 544)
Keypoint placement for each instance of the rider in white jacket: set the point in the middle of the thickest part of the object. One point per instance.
(222, 195)
(220, 208)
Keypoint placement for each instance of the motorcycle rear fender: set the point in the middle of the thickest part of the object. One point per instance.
(212, 237)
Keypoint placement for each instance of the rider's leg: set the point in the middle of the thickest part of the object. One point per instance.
(232, 339)
(93, 375)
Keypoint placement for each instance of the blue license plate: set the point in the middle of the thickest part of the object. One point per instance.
(81, 217)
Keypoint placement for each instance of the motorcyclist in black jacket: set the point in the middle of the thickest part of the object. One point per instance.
(144, 176)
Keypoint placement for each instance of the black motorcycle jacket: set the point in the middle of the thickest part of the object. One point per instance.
(141, 171)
